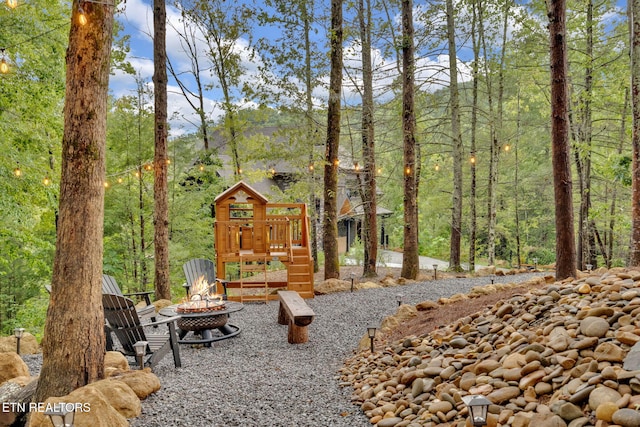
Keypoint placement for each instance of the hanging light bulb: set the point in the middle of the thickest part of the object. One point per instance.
(407, 170)
(46, 181)
(17, 171)
(311, 167)
(437, 167)
(120, 180)
(12, 4)
(4, 67)
(106, 184)
(507, 147)
(472, 160)
(82, 17)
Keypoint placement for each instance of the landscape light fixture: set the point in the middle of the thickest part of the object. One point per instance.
(478, 407)
(61, 414)
(399, 299)
(371, 331)
(493, 278)
(589, 267)
(141, 350)
(535, 263)
(435, 271)
(18, 333)
(353, 276)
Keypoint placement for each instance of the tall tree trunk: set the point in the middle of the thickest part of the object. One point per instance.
(493, 150)
(456, 136)
(311, 132)
(634, 253)
(516, 198)
(474, 125)
(609, 234)
(410, 258)
(330, 218)
(73, 347)
(161, 166)
(585, 255)
(370, 223)
(562, 183)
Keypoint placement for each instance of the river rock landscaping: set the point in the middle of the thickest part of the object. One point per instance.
(565, 354)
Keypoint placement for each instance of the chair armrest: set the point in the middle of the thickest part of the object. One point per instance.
(162, 321)
(145, 295)
(224, 286)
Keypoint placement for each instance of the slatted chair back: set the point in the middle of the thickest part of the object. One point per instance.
(110, 286)
(198, 267)
(122, 317)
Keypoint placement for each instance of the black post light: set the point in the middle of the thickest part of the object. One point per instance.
(18, 333)
(141, 350)
(478, 408)
(493, 278)
(589, 267)
(435, 271)
(399, 299)
(371, 331)
(535, 263)
(61, 414)
(353, 276)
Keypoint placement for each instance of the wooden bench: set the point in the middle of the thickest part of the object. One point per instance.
(293, 311)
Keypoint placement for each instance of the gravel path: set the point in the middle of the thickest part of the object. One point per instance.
(257, 378)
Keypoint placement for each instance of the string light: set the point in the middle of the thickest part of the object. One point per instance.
(106, 184)
(356, 166)
(336, 162)
(82, 17)
(239, 171)
(379, 171)
(201, 167)
(17, 172)
(437, 167)
(12, 4)
(4, 67)
(311, 167)
(472, 160)
(46, 181)
(507, 147)
(407, 170)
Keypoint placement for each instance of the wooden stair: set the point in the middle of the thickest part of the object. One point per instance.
(256, 269)
(300, 272)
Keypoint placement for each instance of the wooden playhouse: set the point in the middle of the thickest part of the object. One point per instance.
(253, 237)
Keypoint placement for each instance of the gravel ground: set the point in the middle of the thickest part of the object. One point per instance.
(257, 378)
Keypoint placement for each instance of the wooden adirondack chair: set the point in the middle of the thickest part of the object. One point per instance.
(122, 320)
(110, 286)
(199, 267)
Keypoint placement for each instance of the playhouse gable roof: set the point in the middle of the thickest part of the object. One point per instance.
(237, 188)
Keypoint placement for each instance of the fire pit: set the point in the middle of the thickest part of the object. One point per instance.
(214, 317)
(207, 324)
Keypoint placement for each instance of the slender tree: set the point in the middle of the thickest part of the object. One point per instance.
(368, 187)
(73, 348)
(634, 255)
(562, 182)
(456, 137)
(161, 164)
(410, 259)
(329, 223)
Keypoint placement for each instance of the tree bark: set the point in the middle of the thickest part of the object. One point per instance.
(160, 183)
(410, 259)
(562, 183)
(74, 343)
(474, 125)
(370, 226)
(456, 136)
(330, 218)
(634, 256)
